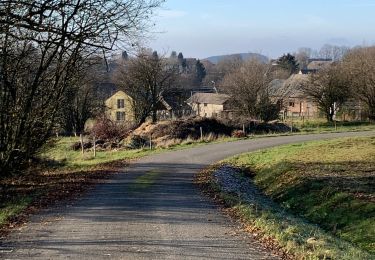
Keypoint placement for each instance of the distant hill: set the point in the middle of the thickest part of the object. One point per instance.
(244, 56)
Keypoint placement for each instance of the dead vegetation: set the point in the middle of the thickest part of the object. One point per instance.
(42, 185)
(168, 133)
(188, 130)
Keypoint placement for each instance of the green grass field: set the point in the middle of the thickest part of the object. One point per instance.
(322, 126)
(59, 150)
(327, 183)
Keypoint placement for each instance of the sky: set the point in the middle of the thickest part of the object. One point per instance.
(203, 28)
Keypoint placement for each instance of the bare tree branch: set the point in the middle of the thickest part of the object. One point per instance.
(43, 45)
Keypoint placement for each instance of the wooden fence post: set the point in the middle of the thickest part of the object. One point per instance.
(81, 140)
(291, 126)
(94, 146)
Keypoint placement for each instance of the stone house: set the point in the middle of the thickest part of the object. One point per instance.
(119, 108)
(211, 105)
(294, 103)
(291, 99)
(314, 65)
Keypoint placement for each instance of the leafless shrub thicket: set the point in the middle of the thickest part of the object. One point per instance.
(248, 87)
(359, 66)
(329, 89)
(43, 45)
(352, 78)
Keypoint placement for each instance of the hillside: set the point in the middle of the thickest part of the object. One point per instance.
(244, 56)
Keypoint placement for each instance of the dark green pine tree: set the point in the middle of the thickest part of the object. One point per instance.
(182, 61)
(173, 55)
(180, 56)
(288, 62)
(200, 71)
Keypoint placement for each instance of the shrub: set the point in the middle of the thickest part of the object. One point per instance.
(136, 142)
(77, 145)
(267, 111)
(107, 130)
(184, 128)
(238, 134)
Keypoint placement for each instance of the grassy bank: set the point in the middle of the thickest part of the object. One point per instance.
(322, 126)
(325, 196)
(60, 152)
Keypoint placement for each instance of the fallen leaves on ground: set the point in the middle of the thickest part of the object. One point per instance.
(46, 186)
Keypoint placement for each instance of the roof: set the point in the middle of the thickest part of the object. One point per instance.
(318, 59)
(275, 86)
(161, 105)
(318, 64)
(314, 65)
(105, 90)
(291, 87)
(203, 89)
(209, 98)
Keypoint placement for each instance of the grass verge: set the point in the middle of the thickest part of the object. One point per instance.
(324, 193)
(62, 174)
(322, 126)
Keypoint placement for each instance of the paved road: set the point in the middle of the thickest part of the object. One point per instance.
(151, 211)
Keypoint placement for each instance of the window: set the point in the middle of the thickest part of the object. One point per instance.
(120, 103)
(205, 104)
(291, 104)
(120, 116)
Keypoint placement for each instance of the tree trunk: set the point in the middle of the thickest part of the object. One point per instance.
(371, 115)
(329, 116)
(154, 115)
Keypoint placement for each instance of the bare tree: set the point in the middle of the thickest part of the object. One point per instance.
(359, 65)
(326, 51)
(248, 87)
(230, 64)
(333, 52)
(302, 56)
(329, 89)
(145, 79)
(42, 45)
(81, 99)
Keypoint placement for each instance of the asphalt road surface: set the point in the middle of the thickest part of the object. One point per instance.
(150, 211)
